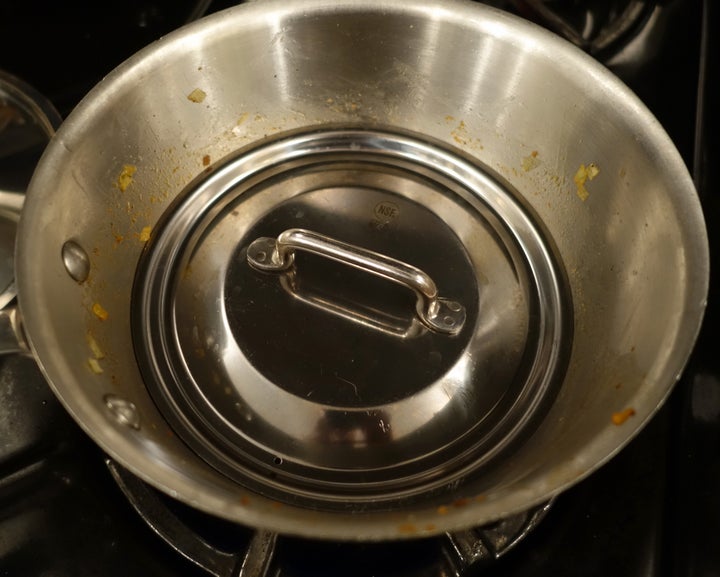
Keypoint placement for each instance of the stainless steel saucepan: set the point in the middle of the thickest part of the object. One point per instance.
(361, 269)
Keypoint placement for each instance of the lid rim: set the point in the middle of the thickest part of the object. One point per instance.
(276, 467)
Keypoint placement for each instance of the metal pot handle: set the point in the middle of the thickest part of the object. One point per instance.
(277, 255)
(12, 337)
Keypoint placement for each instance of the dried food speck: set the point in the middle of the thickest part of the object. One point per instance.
(531, 161)
(95, 366)
(99, 312)
(583, 174)
(621, 416)
(94, 347)
(407, 529)
(126, 176)
(197, 95)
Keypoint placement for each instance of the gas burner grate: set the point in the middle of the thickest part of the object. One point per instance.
(597, 26)
(223, 549)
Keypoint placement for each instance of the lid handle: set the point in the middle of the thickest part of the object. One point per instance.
(276, 255)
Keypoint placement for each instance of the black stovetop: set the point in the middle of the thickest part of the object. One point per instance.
(652, 510)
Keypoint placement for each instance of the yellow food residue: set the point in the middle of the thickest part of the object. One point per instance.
(197, 95)
(94, 347)
(462, 136)
(145, 233)
(583, 174)
(95, 366)
(621, 416)
(99, 312)
(531, 161)
(126, 176)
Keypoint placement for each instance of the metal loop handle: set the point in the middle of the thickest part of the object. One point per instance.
(277, 255)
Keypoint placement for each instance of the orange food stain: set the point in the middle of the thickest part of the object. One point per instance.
(407, 529)
(100, 312)
(621, 416)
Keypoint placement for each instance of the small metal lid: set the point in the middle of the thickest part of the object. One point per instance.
(27, 122)
(349, 315)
